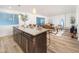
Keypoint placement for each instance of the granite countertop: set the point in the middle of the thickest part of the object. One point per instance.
(33, 31)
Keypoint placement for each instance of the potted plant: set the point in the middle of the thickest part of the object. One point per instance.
(24, 19)
(73, 21)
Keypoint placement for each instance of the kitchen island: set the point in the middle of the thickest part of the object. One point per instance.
(31, 40)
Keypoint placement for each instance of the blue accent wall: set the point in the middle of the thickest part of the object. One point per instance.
(8, 19)
(40, 21)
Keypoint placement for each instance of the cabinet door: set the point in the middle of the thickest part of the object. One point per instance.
(15, 31)
(29, 43)
(24, 44)
(31, 47)
(41, 42)
(19, 37)
(14, 34)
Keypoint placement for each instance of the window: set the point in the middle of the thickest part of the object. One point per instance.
(8, 19)
(40, 21)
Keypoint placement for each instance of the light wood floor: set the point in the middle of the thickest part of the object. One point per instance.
(8, 45)
(63, 44)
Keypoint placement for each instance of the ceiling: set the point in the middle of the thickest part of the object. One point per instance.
(46, 10)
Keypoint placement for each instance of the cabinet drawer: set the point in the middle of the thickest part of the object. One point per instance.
(24, 44)
(27, 35)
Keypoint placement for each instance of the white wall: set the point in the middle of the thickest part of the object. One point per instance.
(68, 19)
(8, 30)
(56, 19)
(32, 19)
(77, 17)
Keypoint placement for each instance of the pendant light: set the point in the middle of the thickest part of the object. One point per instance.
(34, 11)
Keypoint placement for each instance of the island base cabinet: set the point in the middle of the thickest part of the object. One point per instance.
(30, 43)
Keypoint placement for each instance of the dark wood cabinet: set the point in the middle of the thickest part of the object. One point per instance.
(24, 43)
(17, 35)
(30, 43)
